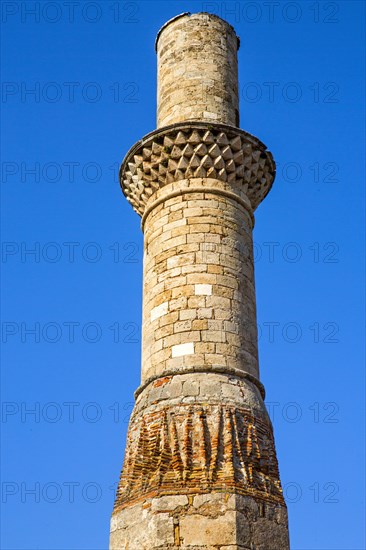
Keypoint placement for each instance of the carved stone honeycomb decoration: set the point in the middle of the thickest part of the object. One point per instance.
(196, 150)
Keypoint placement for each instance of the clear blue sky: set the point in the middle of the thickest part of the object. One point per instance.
(93, 72)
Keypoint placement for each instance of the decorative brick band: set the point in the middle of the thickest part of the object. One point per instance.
(196, 150)
(185, 449)
(229, 371)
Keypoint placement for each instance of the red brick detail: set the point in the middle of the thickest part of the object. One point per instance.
(198, 449)
(161, 381)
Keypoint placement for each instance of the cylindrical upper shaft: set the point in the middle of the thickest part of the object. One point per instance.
(197, 70)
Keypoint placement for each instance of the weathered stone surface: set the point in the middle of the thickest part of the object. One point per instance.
(192, 50)
(207, 521)
(177, 305)
(207, 530)
(200, 470)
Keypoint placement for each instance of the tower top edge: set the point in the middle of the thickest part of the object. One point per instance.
(189, 14)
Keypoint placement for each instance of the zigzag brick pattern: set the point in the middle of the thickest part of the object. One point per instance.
(199, 449)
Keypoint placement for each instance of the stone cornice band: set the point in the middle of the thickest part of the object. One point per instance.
(229, 371)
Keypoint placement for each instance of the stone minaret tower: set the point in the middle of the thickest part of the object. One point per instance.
(200, 468)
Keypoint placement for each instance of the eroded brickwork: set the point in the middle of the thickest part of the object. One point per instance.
(200, 469)
(192, 449)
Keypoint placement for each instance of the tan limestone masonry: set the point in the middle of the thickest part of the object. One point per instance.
(197, 71)
(200, 469)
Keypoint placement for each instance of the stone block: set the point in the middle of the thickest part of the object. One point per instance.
(208, 531)
(182, 349)
(203, 289)
(159, 310)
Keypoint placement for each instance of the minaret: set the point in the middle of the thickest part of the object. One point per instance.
(200, 469)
